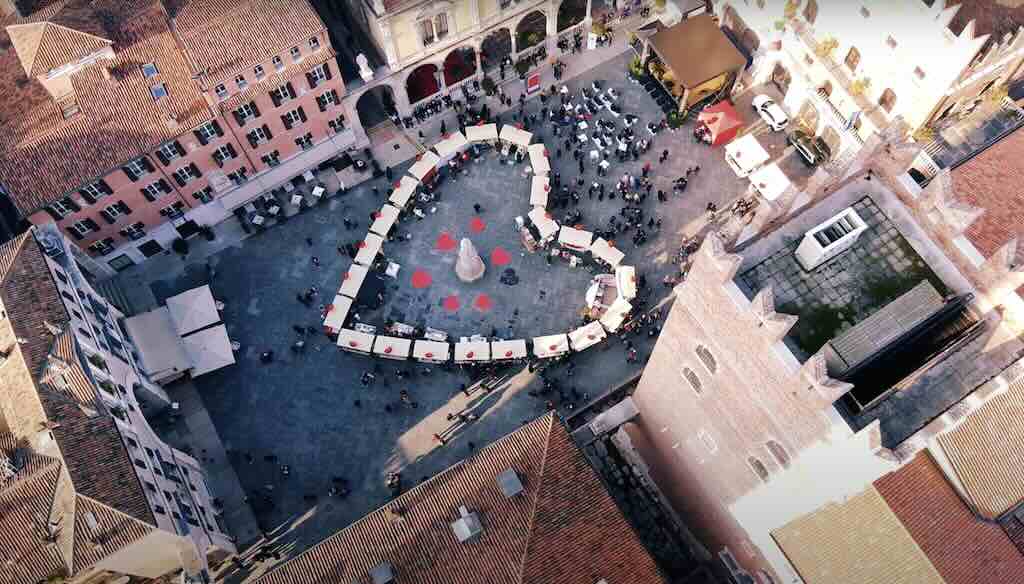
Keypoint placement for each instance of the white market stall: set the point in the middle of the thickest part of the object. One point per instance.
(547, 226)
(384, 220)
(745, 154)
(429, 351)
(368, 249)
(606, 252)
(482, 133)
(209, 350)
(192, 310)
(539, 159)
(625, 281)
(337, 312)
(504, 350)
(472, 351)
(451, 146)
(616, 315)
(405, 188)
(770, 181)
(539, 191)
(396, 348)
(586, 336)
(352, 280)
(355, 341)
(514, 135)
(426, 163)
(575, 239)
(550, 346)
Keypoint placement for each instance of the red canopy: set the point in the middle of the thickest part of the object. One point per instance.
(722, 121)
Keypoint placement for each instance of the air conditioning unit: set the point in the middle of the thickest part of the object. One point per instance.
(830, 239)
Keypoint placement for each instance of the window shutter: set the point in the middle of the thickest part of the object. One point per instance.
(334, 94)
(106, 217)
(238, 118)
(131, 175)
(266, 130)
(199, 136)
(302, 114)
(179, 180)
(75, 234)
(147, 164)
(124, 208)
(252, 139)
(162, 157)
(275, 96)
(88, 197)
(255, 110)
(164, 186)
(178, 147)
(287, 122)
(217, 129)
(291, 90)
(146, 193)
(217, 158)
(56, 216)
(194, 170)
(327, 70)
(92, 224)
(72, 204)
(105, 187)
(321, 103)
(311, 80)
(231, 150)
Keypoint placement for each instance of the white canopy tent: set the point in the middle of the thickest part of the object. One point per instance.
(539, 191)
(384, 220)
(352, 280)
(575, 239)
(586, 336)
(745, 154)
(550, 345)
(355, 341)
(160, 348)
(431, 351)
(192, 310)
(770, 181)
(471, 351)
(616, 314)
(209, 350)
(625, 281)
(502, 350)
(337, 312)
(539, 159)
(368, 249)
(403, 191)
(514, 135)
(482, 133)
(451, 146)
(606, 252)
(426, 164)
(547, 226)
(396, 348)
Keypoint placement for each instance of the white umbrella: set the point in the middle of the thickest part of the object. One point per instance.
(586, 336)
(616, 314)
(425, 164)
(482, 133)
(539, 191)
(539, 159)
(514, 135)
(431, 351)
(352, 280)
(502, 350)
(547, 226)
(404, 190)
(606, 252)
(384, 220)
(625, 281)
(368, 249)
(192, 310)
(575, 239)
(550, 345)
(392, 347)
(209, 350)
(337, 312)
(355, 341)
(450, 146)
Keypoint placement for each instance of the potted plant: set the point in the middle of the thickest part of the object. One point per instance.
(859, 86)
(180, 247)
(825, 47)
(675, 119)
(924, 134)
(489, 86)
(97, 361)
(208, 232)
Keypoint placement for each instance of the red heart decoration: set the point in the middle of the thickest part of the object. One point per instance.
(508, 353)
(469, 355)
(353, 344)
(387, 349)
(428, 355)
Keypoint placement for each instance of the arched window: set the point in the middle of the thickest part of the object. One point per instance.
(707, 359)
(811, 11)
(691, 377)
(759, 468)
(780, 454)
(887, 100)
(852, 59)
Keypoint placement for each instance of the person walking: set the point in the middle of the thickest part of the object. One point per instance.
(477, 208)
(664, 156)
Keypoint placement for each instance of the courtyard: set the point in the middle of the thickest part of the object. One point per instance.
(309, 410)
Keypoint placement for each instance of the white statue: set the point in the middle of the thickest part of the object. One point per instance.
(364, 67)
(468, 266)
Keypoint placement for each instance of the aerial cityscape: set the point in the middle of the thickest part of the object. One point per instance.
(511, 291)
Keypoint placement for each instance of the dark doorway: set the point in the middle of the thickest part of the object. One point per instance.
(151, 248)
(376, 106)
(495, 47)
(458, 65)
(187, 229)
(422, 83)
(531, 31)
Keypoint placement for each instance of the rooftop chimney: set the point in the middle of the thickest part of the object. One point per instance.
(509, 483)
(468, 525)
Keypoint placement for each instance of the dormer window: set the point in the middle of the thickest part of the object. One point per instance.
(158, 91)
(314, 44)
(258, 72)
(241, 82)
(278, 63)
(295, 53)
(221, 91)
(149, 70)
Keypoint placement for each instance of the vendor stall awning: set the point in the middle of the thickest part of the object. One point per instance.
(514, 135)
(550, 345)
(482, 133)
(352, 280)
(586, 336)
(426, 164)
(431, 351)
(450, 146)
(677, 45)
(404, 191)
(723, 121)
(192, 310)
(745, 154)
(539, 159)
(576, 239)
(770, 181)
(159, 344)
(355, 341)
(616, 315)
(392, 347)
(384, 220)
(337, 312)
(539, 191)
(625, 281)
(368, 249)
(605, 252)
(501, 350)
(547, 226)
(209, 350)
(469, 351)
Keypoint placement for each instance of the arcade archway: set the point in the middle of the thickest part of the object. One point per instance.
(422, 82)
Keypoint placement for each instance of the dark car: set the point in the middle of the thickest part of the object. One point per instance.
(812, 149)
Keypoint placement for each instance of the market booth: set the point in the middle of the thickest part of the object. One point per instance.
(516, 136)
(208, 350)
(575, 239)
(539, 159)
(384, 220)
(368, 249)
(429, 351)
(337, 311)
(770, 181)
(625, 281)
(425, 166)
(616, 314)
(745, 154)
(451, 146)
(472, 351)
(606, 252)
(547, 226)
(721, 121)
(352, 280)
(586, 336)
(550, 346)
(396, 348)
(355, 341)
(507, 350)
(482, 133)
(539, 191)
(405, 188)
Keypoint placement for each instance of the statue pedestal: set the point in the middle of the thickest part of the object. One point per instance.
(468, 266)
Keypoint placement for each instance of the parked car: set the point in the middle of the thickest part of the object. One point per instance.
(812, 148)
(770, 112)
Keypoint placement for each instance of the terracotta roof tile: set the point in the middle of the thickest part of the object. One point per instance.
(43, 46)
(994, 181)
(278, 79)
(114, 531)
(563, 528)
(964, 548)
(989, 16)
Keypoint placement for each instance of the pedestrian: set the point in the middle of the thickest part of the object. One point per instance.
(444, 128)
(387, 173)
(581, 165)
(309, 241)
(421, 136)
(664, 156)
(646, 169)
(477, 208)
(316, 261)
(347, 222)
